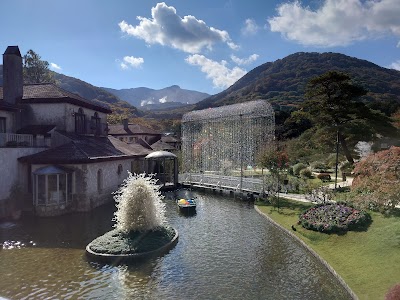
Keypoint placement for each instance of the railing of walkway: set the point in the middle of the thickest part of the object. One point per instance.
(222, 182)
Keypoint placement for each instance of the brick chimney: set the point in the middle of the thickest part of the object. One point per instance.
(12, 75)
(125, 123)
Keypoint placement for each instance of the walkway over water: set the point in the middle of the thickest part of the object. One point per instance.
(241, 184)
(220, 182)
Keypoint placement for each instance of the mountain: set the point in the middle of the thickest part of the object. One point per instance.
(150, 99)
(283, 81)
(91, 92)
(95, 93)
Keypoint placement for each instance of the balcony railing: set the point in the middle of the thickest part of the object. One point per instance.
(22, 140)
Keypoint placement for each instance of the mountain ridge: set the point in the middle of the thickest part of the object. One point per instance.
(143, 96)
(283, 81)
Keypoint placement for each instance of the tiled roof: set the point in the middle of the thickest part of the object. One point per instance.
(51, 93)
(169, 139)
(132, 129)
(131, 148)
(36, 129)
(86, 149)
(143, 143)
(160, 145)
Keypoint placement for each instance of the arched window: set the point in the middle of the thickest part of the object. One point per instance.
(119, 170)
(95, 124)
(80, 121)
(100, 181)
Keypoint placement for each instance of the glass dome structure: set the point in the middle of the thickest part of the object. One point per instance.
(220, 140)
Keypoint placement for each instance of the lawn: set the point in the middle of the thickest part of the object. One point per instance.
(369, 261)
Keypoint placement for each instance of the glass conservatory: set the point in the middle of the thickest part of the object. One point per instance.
(52, 185)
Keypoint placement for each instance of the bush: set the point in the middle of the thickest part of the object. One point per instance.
(297, 168)
(393, 293)
(319, 166)
(324, 177)
(347, 167)
(305, 173)
(377, 183)
(334, 217)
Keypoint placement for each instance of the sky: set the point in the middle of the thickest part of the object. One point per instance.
(202, 45)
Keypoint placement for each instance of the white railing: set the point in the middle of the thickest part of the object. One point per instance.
(222, 182)
(22, 140)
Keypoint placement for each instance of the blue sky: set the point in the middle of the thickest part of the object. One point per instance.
(200, 45)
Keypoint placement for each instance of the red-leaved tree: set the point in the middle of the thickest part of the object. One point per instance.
(377, 181)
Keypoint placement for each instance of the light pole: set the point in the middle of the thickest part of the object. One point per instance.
(337, 156)
(241, 153)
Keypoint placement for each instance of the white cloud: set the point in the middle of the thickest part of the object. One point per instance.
(55, 67)
(163, 99)
(244, 61)
(146, 102)
(395, 65)
(218, 72)
(167, 28)
(131, 62)
(337, 22)
(250, 27)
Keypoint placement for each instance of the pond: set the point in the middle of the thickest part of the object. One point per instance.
(225, 251)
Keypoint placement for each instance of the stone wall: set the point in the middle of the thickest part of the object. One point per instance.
(13, 173)
(70, 109)
(87, 194)
(59, 114)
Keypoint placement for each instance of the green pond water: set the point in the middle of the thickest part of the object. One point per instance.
(225, 251)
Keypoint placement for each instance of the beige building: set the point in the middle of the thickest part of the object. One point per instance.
(55, 148)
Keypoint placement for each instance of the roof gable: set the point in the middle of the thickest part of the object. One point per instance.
(131, 130)
(51, 93)
(86, 149)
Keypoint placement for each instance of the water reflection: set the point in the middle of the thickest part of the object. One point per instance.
(225, 251)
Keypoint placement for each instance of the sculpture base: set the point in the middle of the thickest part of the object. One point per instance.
(116, 247)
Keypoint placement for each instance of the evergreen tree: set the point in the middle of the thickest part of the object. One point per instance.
(35, 69)
(333, 102)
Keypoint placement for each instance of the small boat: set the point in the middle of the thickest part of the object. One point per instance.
(186, 205)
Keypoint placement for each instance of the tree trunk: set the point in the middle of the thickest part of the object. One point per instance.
(346, 151)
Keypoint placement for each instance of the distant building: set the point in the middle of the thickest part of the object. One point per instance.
(172, 141)
(136, 133)
(131, 133)
(55, 148)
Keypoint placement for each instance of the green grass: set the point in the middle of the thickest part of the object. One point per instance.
(369, 261)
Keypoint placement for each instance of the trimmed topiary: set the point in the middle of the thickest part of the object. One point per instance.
(334, 217)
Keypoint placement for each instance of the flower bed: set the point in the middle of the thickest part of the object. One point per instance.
(334, 217)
